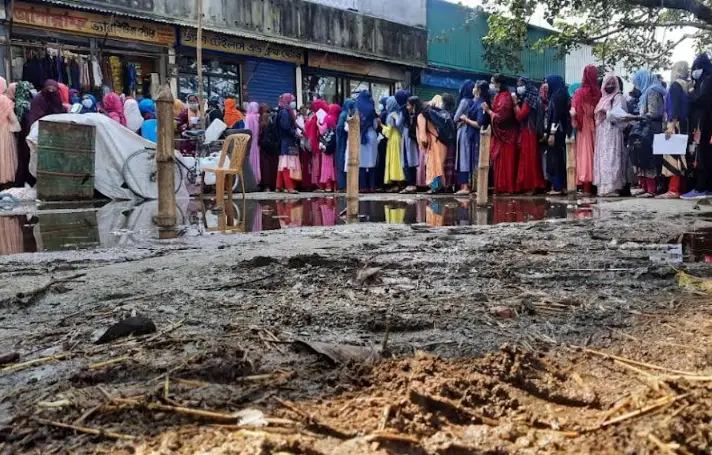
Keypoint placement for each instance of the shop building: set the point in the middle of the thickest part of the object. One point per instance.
(458, 52)
(87, 50)
(256, 50)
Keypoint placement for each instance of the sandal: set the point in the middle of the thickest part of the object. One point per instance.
(612, 194)
(645, 196)
(669, 195)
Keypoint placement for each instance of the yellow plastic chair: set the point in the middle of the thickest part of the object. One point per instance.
(239, 143)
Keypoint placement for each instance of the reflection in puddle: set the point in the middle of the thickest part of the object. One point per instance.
(697, 246)
(118, 224)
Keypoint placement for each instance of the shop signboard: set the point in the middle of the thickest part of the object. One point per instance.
(242, 46)
(353, 65)
(84, 23)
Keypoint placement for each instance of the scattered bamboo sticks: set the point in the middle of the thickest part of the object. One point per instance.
(86, 430)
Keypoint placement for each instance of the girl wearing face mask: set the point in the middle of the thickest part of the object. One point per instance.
(232, 116)
(701, 117)
(610, 164)
(677, 110)
(89, 104)
(527, 104)
(289, 168)
(476, 120)
(504, 137)
(189, 119)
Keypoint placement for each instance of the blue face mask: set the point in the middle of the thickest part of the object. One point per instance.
(293, 104)
(87, 103)
(696, 74)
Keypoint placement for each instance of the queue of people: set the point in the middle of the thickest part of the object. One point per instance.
(409, 145)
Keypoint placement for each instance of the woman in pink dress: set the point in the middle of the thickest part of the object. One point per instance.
(327, 176)
(252, 122)
(583, 106)
(8, 145)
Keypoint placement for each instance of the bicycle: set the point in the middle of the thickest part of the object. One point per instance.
(140, 166)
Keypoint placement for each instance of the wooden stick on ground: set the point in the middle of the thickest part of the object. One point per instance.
(661, 445)
(664, 401)
(29, 363)
(640, 364)
(384, 418)
(108, 434)
(107, 363)
(392, 437)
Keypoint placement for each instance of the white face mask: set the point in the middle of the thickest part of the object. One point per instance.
(193, 106)
(87, 103)
(493, 87)
(293, 104)
(521, 90)
(696, 74)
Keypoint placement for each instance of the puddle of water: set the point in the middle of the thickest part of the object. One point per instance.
(697, 246)
(117, 224)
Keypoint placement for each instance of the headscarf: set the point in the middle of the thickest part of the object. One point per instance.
(285, 102)
(3, 85)
(93, 108)
(606, 101)
(680, 71)
(45, 103)
(74, 96)
(347, 109)
(391, 108)
(64, 96)
(178, 107)
(558, 99)
(113, 108)
(23, 98)
(312, 126)
(147, 107)
(647, 83)
(544, 94)
(134, 119)
(252, 123)
(476, 107)
(572, 89)
(531, 96)
(402, 99)
(588, 93)
(702, 62)
(333, 118)
(367, 113)
(384, 111)
(466, 90)
(232, 114)
(436, 102)
(11, 91)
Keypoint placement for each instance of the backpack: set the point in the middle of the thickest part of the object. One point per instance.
(328, 139)
(270, 139)
(445, 126)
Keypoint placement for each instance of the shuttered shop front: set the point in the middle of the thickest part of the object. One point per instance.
(267, 80)
(249, 70)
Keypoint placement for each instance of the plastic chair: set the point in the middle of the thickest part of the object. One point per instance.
(239, 144)
(149, 130)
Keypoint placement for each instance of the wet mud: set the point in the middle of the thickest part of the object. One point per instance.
(461, 339)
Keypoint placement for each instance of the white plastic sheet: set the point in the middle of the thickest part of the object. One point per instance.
(114, 144)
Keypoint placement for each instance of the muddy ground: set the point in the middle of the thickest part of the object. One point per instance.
(477, 339)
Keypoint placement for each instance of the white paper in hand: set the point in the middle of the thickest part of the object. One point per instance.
(676, 145)
(321, 115)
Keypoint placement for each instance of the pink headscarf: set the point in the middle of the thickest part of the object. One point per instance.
(252, 122)
(3, 85)
(113, 107)
(606, 101)
(333, 118)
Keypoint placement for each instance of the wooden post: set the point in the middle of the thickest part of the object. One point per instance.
(571, 167)
(199, 58)
(483, 167)
(165, 160)
(353, 168)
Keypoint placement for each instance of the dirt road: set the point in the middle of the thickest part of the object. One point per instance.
(460, 340)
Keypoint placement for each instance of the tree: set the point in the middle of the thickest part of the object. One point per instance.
(633, 32)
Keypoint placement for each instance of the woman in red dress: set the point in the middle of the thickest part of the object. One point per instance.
(527, 105)
(504, 137)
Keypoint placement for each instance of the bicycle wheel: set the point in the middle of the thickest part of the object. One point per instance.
(141, 174)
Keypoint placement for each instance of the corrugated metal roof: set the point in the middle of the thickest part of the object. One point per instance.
(455, 41)
(236, 32)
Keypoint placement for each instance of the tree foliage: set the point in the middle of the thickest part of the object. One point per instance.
(636, 33)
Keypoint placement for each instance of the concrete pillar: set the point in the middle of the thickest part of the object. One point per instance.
(298, 77)
(173, 72)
